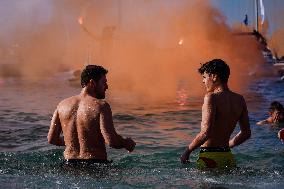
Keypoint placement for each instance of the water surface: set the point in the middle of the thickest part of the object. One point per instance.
(161, 131)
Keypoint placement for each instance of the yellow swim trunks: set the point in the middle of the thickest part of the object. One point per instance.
(216, 157)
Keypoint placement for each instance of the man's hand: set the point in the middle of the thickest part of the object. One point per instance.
(185, 156)
(129, 144)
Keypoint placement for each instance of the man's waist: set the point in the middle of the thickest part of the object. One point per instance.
(96, 154)
(86, 161)
(214, 149)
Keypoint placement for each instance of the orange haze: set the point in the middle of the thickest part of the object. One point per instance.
(144, 55)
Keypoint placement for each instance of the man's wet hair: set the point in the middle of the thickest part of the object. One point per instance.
(92, 72)
(218, 67)
(276, 106)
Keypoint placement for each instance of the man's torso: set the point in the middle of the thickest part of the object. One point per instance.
(80, 121)
(228, 110)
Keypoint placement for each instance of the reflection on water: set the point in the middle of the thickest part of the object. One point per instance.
(161, 131)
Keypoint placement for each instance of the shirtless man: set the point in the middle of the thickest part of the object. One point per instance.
(221, 111)
(276, 114)
(86, 122)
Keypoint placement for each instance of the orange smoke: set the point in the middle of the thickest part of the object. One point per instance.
(151, 52)
(80, 20)
(142, 65)
(276, 42)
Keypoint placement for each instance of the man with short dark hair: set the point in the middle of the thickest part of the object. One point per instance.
(221, 111)
(86, 122)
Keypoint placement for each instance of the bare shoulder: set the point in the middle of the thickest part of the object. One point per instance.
(103, 104)
(69, 101)
(209, 97)
(237, 97)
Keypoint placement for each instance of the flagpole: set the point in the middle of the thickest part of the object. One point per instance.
(256, 4)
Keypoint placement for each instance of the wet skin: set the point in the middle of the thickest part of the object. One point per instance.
(281, 135)
(86, 123)
(274, 117)
(221, 111)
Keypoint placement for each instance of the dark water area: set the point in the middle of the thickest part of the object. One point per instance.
(161, 132)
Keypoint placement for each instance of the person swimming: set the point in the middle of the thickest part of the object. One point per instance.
(86, 122)
(221, 111)
(276, 114)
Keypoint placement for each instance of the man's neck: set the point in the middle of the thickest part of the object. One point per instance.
(221, 88)
(87, 91)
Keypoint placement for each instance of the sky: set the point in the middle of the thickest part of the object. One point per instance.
(235, 11)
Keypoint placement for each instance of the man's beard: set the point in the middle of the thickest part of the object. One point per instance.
(100, 96)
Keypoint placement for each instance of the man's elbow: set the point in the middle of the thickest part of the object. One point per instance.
(205, 135)
(51, 140)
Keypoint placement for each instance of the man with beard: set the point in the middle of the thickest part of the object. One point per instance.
(86, 123)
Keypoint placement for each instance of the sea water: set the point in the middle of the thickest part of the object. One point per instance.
(161, 132)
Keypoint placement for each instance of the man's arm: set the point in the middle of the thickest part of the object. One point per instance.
(110, 135)
(245, 131)
(266, 121)
(208, 119)
(262, 122)
(55, 130)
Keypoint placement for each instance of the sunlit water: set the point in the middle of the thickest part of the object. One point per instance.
(161, 131)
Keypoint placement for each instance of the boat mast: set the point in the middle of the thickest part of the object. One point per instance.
(256, 5)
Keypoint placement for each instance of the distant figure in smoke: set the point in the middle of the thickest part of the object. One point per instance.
(86, 122)
(246, 20)
(221, 111)
(276, 114)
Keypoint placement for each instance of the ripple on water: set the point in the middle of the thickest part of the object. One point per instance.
(156, 169)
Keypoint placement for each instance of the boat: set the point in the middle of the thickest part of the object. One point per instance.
(278, 64)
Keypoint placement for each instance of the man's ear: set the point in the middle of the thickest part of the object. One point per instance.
(214, 77)
(92, 82)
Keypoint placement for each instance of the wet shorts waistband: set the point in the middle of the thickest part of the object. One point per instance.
(214, 149)
(86, 161)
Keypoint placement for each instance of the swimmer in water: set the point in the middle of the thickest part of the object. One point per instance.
(276, 114)
(221, 111)
(86, 122)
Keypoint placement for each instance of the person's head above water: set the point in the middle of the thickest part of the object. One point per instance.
(93, 80)
(276, 114)
(217, 67)
(276, 106)
(92, 72)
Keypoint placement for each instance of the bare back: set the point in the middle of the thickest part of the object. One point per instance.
(228, 108)
(80, 121)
